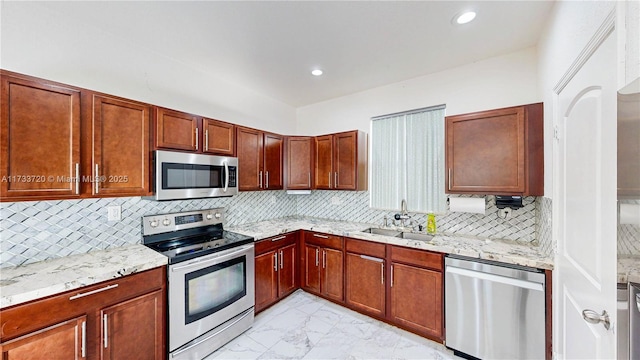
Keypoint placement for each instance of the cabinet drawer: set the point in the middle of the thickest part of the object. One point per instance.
(275, 242)
(417, 257)
(38, 314)
(325, 240)
(365, 247)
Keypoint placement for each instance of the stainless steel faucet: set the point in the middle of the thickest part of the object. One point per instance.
(403, 215)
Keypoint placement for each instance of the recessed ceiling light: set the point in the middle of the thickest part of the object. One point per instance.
(465, 17)
(316, 72)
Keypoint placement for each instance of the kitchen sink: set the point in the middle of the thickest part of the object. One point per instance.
(386, 232)
(415, 236)
(399, 234)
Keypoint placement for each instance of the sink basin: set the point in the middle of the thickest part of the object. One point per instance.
(415, 236)
(386, 232)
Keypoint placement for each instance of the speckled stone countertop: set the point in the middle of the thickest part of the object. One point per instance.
(33, 281)
(510, 252)
(628, 269)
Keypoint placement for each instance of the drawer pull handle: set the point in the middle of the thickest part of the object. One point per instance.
(79, 295)
(278, 238)
(371, 258)
(321, 236)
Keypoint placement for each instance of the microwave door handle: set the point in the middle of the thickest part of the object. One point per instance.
(226, 176)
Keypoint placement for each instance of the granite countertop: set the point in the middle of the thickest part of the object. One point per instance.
(628, 269)
(505, 251)
(33, 281)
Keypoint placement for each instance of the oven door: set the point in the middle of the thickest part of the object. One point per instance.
(207, 291)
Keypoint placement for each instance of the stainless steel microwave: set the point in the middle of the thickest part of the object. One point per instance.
(179, 175)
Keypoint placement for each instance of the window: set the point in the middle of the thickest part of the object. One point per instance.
(407, 160)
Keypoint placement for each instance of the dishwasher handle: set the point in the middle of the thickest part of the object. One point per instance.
(536, 286)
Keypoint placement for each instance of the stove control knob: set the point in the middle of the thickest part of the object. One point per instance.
(154, 223)
(166, 222)
(218, 215)
(209, 216)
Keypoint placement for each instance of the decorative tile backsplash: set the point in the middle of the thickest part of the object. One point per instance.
(543, 225)
(36, 231)
(629, 235)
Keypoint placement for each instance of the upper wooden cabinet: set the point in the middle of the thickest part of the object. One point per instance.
(496, 152)
(182, 131)
(341, 161)
(119, 146)
(219, 137)
(40, 139)
(299, 162)
(260, 157)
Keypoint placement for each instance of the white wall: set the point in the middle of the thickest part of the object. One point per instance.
(42, 42)
(492, 83)
(570, 26)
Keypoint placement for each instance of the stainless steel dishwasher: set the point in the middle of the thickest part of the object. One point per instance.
(494, 310)
(634, 321)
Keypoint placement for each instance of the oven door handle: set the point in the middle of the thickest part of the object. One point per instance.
(219, 257)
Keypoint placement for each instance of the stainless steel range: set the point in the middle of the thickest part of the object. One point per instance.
(210, 279)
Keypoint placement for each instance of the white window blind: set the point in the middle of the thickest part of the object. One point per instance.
(407, 161)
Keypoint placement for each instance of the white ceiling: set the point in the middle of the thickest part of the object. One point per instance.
(271, 47)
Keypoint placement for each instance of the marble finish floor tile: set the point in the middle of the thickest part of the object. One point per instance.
(304, 326)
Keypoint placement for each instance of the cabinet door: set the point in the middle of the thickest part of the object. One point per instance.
(120, 146)
(323, 177)
(176, 130)
(273, 156)
(134, 329)
(40, 139)
(286, 270)
(299, 162)
(219, 137)
(486, 152)
(365, 289)
(346, 161)
(266, 280)
(332, 274)
(312, 268)
(66, 340)
(249, 146)
(416, 299)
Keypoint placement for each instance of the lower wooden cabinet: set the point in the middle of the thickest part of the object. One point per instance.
(122, 318)
(416, 299)
(275, 267)
(65, 340)
(324, 265)
(365, 288)
(130, 328)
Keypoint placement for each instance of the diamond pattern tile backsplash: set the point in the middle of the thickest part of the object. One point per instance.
(629, 235)
(349, 205)
(36, 231)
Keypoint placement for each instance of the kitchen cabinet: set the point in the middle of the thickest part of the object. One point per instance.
(340, 161)
(65, 340)
(415, 291)
(260, 157)
(324, 265)
(299, 164)
(275, 269)
(105, 320)
(219, 137)
(177, 130)
(496, 152)
(118, 146)
(130, 328)
(365, 276)
(39, 139)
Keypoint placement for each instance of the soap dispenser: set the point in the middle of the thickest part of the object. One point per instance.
(431, 224)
